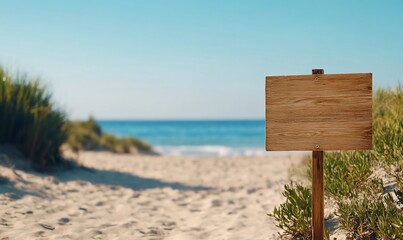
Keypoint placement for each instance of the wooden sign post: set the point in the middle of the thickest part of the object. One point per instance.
(315, 113)
(318, 202)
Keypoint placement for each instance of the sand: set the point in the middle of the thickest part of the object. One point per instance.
(146, 197)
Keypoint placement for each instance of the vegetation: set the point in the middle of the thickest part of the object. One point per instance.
(294, 216)
(371, 219)
(388, 131)
(347, 173)
(356, 180)
(30, 120)
(87, 135)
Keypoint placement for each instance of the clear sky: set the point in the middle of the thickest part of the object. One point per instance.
(193, 59)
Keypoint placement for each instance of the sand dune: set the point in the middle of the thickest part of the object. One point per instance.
(140, 197)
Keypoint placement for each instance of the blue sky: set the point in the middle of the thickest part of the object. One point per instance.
(193, 59)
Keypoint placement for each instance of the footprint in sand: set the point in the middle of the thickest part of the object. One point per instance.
(72, 190)
(129, 224)
(96, 234)
(168, 225)
(153, 231)
(63, 221)
(145, 203)
(83, 209)
(182, 204)
(39, 234)
(106, 225)
(232, 212)
(47, 226)
(216, 203)
(4, 222)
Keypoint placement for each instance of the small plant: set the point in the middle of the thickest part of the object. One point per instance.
(371, 219)
(294, 216)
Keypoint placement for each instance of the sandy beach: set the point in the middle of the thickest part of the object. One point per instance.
(117, 196)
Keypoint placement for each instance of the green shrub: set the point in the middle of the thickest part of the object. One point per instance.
(83, 135)
(141, 145)
(371, 219)
(29, 119)
(87, 135)
(348, 174)
(388, 130)
(124, 145)
(119, 145)
(294, 216)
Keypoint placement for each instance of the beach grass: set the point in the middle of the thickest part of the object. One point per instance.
(30, 120)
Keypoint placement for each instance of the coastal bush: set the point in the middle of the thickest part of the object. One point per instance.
(388, 130)
(87, 135)
(371, 219)
(125, 144)
(348, 174)
(294, 216)
(30, 120)
(83, 135)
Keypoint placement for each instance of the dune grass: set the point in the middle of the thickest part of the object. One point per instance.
(87, 135)
(30, 120)
(356, 180)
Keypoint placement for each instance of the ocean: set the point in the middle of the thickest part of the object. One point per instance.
(195, 137)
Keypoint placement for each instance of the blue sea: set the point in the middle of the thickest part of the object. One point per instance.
(196, 137)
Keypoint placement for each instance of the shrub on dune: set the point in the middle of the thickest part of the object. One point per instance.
(87, 135)
(388, 130)
(30, 120)
(294, 216)
(124, 144)
(83, 135)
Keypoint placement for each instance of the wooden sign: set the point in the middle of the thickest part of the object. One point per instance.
(319, 112)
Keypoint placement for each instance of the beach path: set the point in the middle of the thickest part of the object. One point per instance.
(146, 197)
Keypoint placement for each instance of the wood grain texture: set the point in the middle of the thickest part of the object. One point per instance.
(318, 201)
(319, 112)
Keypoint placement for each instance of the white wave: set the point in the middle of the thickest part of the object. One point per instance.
(214, 150)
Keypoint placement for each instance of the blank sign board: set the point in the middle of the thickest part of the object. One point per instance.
(319, 112)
